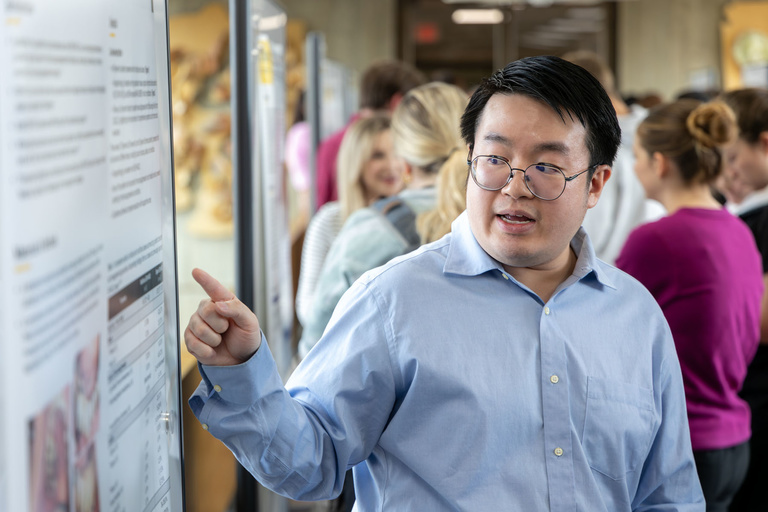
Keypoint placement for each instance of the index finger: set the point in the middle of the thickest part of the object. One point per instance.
(215, 290)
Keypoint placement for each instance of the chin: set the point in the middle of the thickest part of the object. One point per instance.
(517, 259)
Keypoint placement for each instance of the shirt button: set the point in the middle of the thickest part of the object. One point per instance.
(546, 310)
(217, 388)
(554, 379)
(205, 426)
(558, 451)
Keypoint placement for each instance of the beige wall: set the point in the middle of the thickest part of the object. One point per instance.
(660, 43)
(357, 32)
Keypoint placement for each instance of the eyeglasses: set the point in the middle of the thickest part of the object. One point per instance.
(546, 182)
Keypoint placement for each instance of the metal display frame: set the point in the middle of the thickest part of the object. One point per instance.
(262, 241)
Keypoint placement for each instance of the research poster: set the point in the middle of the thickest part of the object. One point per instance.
(273, 244)
(89, 414)
(334, 114)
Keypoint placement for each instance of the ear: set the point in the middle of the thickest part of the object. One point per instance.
(407, 171)
(660, 164)
(762, 140)
(599, 178)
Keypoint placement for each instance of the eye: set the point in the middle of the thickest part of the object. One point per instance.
(547, 170)
(494, 160)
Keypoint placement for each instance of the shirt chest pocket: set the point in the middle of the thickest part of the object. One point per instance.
(618, 425)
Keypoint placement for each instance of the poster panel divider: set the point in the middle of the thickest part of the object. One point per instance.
(314, 51)
(246, 499)
(263, 271)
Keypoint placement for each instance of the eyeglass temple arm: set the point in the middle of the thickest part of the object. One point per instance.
(571, 178)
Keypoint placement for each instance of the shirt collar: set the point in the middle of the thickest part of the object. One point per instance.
(466, 257)
(753, 201)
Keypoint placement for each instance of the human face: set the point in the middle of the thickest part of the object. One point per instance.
(382, 176)
(512, 225)
(645, 170)
(747, 163)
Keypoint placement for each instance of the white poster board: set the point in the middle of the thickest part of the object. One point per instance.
(273, 244)
(334, 85)
(89, 414)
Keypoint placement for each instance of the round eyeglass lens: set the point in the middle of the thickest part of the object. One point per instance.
(544, 181)
(490, 172)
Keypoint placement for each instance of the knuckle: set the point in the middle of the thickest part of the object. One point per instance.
(194, 323)
(221, 326)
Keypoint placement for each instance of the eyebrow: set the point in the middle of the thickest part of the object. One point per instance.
(543, 147)
(496, 137)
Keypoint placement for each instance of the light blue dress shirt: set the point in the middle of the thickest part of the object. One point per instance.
(448, 385)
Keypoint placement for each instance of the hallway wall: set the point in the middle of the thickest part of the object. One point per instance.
(357, 32)
(660, 43)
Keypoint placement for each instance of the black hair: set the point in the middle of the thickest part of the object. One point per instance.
(567, 88)
(385, 79)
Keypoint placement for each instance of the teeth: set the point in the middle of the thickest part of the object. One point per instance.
(516, 219)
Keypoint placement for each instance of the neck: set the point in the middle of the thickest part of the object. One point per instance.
(544, 280)
(698, 196)
(370, 198)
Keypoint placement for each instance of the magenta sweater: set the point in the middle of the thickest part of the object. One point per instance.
(704, 269)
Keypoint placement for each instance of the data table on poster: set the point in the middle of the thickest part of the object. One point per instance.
(135, 360)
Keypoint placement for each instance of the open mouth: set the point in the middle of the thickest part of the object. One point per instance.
(515, 219)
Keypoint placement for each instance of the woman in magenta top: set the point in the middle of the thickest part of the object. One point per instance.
(703, 267)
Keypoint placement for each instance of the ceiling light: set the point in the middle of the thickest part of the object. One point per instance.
(477, 16)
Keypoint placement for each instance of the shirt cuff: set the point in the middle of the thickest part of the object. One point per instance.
(241, 384)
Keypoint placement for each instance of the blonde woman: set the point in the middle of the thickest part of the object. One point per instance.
(426, 136)
(367, 171)
(451, 200)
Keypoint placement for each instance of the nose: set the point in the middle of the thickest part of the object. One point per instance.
(516, 187)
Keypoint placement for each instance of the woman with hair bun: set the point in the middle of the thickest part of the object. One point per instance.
(703, 267)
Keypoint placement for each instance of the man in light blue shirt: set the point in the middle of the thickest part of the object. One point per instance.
(502, 367)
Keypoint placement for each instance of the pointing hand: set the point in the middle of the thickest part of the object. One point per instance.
(223, 331)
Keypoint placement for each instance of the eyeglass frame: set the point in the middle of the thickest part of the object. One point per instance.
(512, 170)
